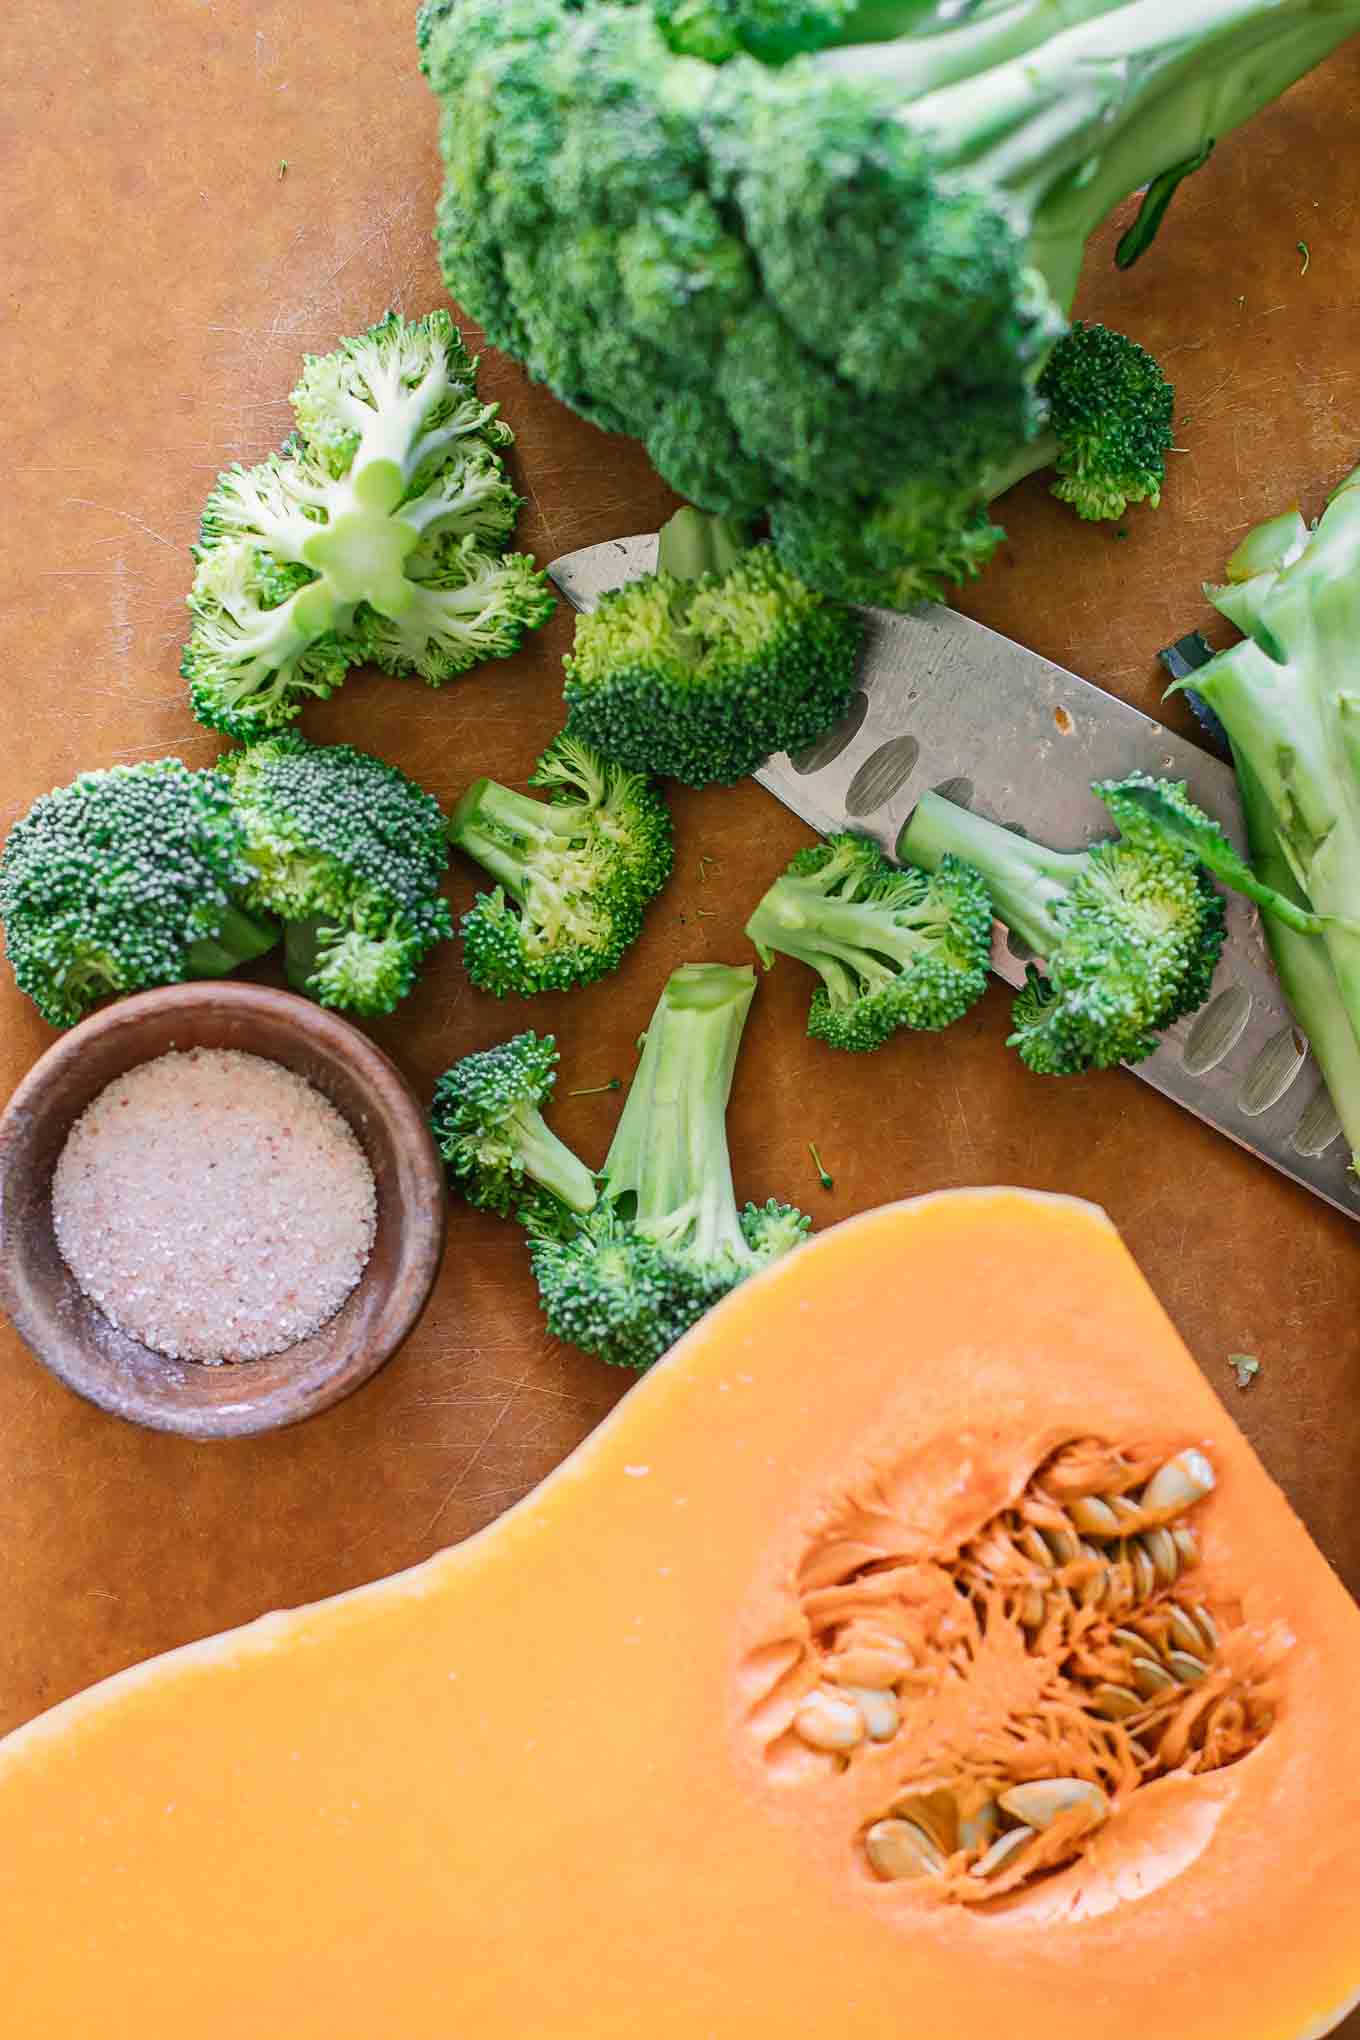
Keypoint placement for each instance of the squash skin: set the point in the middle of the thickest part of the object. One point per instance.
(516, 1791)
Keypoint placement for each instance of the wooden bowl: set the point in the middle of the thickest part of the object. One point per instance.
(73, 1338)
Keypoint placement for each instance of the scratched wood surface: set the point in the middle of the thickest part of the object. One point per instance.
(164, 271)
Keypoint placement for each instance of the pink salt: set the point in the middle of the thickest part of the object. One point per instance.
(214, 1205)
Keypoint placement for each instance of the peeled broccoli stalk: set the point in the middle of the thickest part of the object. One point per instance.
(574, 873)
(487, 1119)
(128, 878)
(824, 291)
(703, 669)
(349, 853)
(1129, 932)
(894, 947)
(378, 533)
(1292, 714)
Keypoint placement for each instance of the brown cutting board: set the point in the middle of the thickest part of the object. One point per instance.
(197, 194)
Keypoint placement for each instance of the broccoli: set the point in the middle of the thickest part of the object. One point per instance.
(378, 534)
(574, 874)
(349, 853)
(488, 1124)
(824, 289)
(1129, 931)
(703, 669)
(666, 1240)
(131, 877)
(894, 947)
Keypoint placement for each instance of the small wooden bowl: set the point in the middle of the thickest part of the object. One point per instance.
(74, 1339)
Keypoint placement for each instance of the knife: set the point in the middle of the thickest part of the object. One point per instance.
(946, 703)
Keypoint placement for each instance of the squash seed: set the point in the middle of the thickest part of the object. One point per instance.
(1032, 1608)
(1116, 1703)
(1151, 1678)
(1144, 1572)
(1062, 1544)
(1130, 1640)
(879, 1710)
(1186, 1669)
(1003, 1852)
(1093, 1517)
(1182, 1482)
(869, 1664)
(1187, 1544)
(978, 1830)
(1160, 1547)
(1208, 1626)
(1033, 1545)
(1123, 1506)
(1185, 1632)
(1039, 1804)
(828, 1721)
(898, 1848)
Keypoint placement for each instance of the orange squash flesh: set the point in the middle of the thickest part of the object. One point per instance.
(526, 1788)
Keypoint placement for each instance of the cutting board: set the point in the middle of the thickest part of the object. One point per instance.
(199, 193)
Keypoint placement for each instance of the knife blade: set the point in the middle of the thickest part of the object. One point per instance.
(946, 703)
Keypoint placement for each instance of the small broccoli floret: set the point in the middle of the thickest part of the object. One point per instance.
(349, 853)
(666, 1240)
(574, 874)
(894, 947)
(1129, 932)
(128, 878)
(773, 30)
(701, 671)
(489, 1126)
(378, 534)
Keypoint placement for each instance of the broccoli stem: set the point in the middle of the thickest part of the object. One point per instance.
(489, 804)
(550, 1163)
(668, 1161)
(302, 951)
(695, 543)
(1303, 965)
(851, 946)
(241, 938)
(1026, 880)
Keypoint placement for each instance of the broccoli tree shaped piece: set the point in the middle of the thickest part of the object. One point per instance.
(488, 1124)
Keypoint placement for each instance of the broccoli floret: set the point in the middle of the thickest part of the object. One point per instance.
(489, 1126)
(378, 534)
(824, 290)
(894, 947)
(704, 669)
(666, 1240)
(349, 853)
(1129, 932)
(128, 878)
(574, 873)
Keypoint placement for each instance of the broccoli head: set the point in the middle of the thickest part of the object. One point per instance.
(379, 534)
(666, 1240)
(824, 290)
(1129, 932)
(127, 878)
(488, 1123)
(701, 671)
(573, 874)
(349, 853)
(894, 947)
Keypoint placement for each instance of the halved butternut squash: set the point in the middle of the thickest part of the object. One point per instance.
(920, 1649)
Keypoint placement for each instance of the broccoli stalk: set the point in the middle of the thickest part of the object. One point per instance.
(893, 946)
(703, 669)
(574, 873)
(128, 878)
(824, 291)
(378, 534)
(666, 1240)
(1129, 932)
(488, 1123)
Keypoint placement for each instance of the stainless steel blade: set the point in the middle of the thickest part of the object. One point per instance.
(945, 703)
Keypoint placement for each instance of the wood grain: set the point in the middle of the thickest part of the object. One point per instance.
(162, 278)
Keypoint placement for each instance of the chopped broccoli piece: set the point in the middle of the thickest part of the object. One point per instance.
(894, 947)
(574, 873)
(378, 534)
(489, 1126)
(127, 878)
(349, 853)
(666, 1240)
(824, 289)
(1129, 931)
(703, 669)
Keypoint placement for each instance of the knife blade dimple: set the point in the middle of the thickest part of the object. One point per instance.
(1020, 740)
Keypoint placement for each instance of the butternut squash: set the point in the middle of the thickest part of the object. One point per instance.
(920, 1648)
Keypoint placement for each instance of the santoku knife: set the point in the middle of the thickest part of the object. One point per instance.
(946, 703)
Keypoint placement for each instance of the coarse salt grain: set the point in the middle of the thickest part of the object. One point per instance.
(214, 1205)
